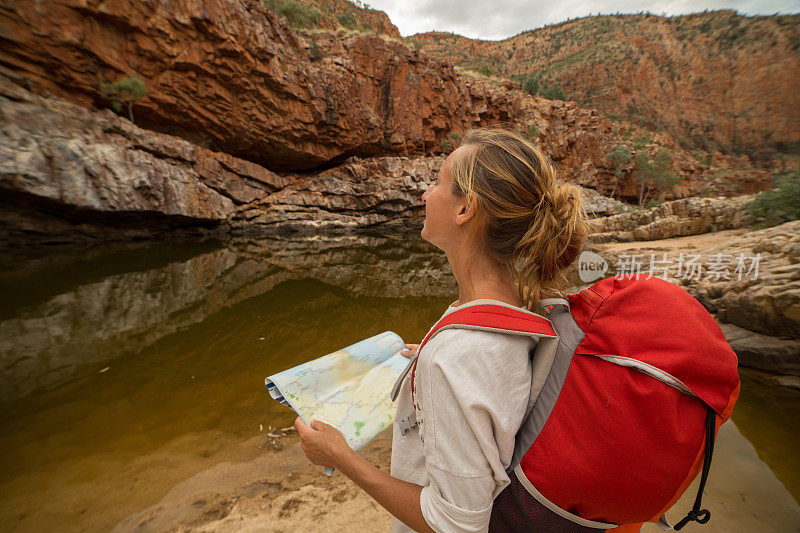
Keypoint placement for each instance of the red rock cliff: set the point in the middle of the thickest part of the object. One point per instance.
(231, 76)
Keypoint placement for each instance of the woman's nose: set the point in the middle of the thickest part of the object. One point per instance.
(425, 196)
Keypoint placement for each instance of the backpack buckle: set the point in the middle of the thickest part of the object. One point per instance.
(408, 423)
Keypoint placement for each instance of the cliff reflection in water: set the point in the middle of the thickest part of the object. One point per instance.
(126, 370)
(75, 310)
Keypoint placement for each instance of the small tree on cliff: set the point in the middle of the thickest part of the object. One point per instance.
(618, 157)
(531, 85)
(654, 174)
(124, 93)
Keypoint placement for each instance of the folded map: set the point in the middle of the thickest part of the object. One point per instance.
(349, 388)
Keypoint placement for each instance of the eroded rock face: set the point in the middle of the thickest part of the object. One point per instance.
(68, 172)
(231, 76)
(687, 216)
(764, 352)
(380, 193)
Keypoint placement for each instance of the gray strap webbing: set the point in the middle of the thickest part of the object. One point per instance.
(541, 304)
(403, 374)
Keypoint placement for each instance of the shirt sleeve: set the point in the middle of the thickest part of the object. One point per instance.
(469, 424)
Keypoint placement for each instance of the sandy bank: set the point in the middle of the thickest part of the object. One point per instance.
(281, 491)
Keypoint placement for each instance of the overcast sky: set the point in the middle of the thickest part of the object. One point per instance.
(498, 19)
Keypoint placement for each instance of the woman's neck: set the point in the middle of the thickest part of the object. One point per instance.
(479, 278)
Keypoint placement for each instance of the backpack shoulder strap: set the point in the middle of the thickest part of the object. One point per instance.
(488, 317)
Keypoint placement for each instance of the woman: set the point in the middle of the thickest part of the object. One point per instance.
(508, 230)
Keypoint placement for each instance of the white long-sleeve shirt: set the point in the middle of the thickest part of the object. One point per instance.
(471, 389)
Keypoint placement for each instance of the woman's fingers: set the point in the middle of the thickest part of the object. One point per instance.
(410, 350)
(303, 429)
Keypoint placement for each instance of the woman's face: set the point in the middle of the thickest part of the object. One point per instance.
(442, 207)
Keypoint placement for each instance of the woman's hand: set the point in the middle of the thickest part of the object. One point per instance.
(410, 351)
(323, 444)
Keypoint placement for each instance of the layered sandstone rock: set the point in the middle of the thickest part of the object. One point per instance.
(687, 216)
(579, 141)
(378, 193)
(71, 174)
(765, 352)
(68, 173)
(231, 76)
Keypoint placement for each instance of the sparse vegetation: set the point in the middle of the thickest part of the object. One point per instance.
(619, 157)
(530, 85)
(776, 206)
(296, 14)
(532, 133)
(347, 20)
(535, 85)
(124, 92)
(597, 60)
(551, 92)
(314, 51)
(641, 142)
(703, 159)
(654, 175)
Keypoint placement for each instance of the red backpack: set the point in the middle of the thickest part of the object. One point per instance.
(631, 380)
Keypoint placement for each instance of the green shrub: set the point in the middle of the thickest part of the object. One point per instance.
(551, 92)
(447, 145)
(703, 159)
(531, 85)
(124, 93)
(619, 156)
(641, 142)
(296, 14)
(347, 20)
(315, 52)
(532, 134)
(776, 206)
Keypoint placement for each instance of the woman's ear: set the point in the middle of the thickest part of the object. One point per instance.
(468, 210)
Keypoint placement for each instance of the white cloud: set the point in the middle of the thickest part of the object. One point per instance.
(485, 19)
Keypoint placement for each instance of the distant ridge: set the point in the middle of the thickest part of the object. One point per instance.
(714, 80)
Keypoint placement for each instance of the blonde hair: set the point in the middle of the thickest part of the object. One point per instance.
(533, 224)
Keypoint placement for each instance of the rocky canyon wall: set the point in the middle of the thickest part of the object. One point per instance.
(229, 75)
(238, 109)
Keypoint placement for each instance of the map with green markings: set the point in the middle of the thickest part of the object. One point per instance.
(349, 388)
